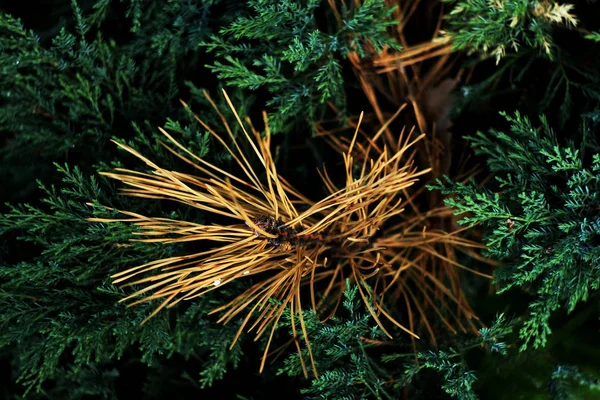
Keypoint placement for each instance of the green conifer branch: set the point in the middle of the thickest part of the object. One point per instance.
(352, 365)
(60, 303)
(493, 27)
(543, 223)
(281, 48)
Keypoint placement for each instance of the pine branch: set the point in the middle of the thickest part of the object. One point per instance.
(276, 241)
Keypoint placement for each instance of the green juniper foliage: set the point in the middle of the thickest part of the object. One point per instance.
(543, 223)
(457, 380)
(96, 380)
(61, 302)
(355, 361)
(492, 27)
(564, 87)
(567, 89)
(345, 370)
(563, 378)
(62, 99)
(96, 70)
(112, 72)
(280, 47)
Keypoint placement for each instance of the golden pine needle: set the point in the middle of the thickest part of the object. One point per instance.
(418, 262)
(350, 216)
(415, 261)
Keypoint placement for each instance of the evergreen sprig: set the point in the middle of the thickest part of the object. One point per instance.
(563, 377)
(457, 379)
(346, 371)
(351, 364)
(543, 223)
(540, 86)
(59, 305)
(595, 36)
(281, 48)
(63, 99)
(492, 27)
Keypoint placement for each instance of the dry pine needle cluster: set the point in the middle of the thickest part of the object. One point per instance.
(346, 235)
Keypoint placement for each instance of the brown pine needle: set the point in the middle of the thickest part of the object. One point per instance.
(418, 258)
(415, 258)
(268, 237)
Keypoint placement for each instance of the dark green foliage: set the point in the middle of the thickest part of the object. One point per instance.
(457, 379)
(61, 303)
(93, 379)
(560, 81)
(187, 130)
(493, 27)
(349, 349)
(345, 369)
(563, 378)
(63, 101)
(116, 70)
(171, 29)
(568, 82)
(543, 223)
(280, 47)
(95, 70)
(567, 89)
